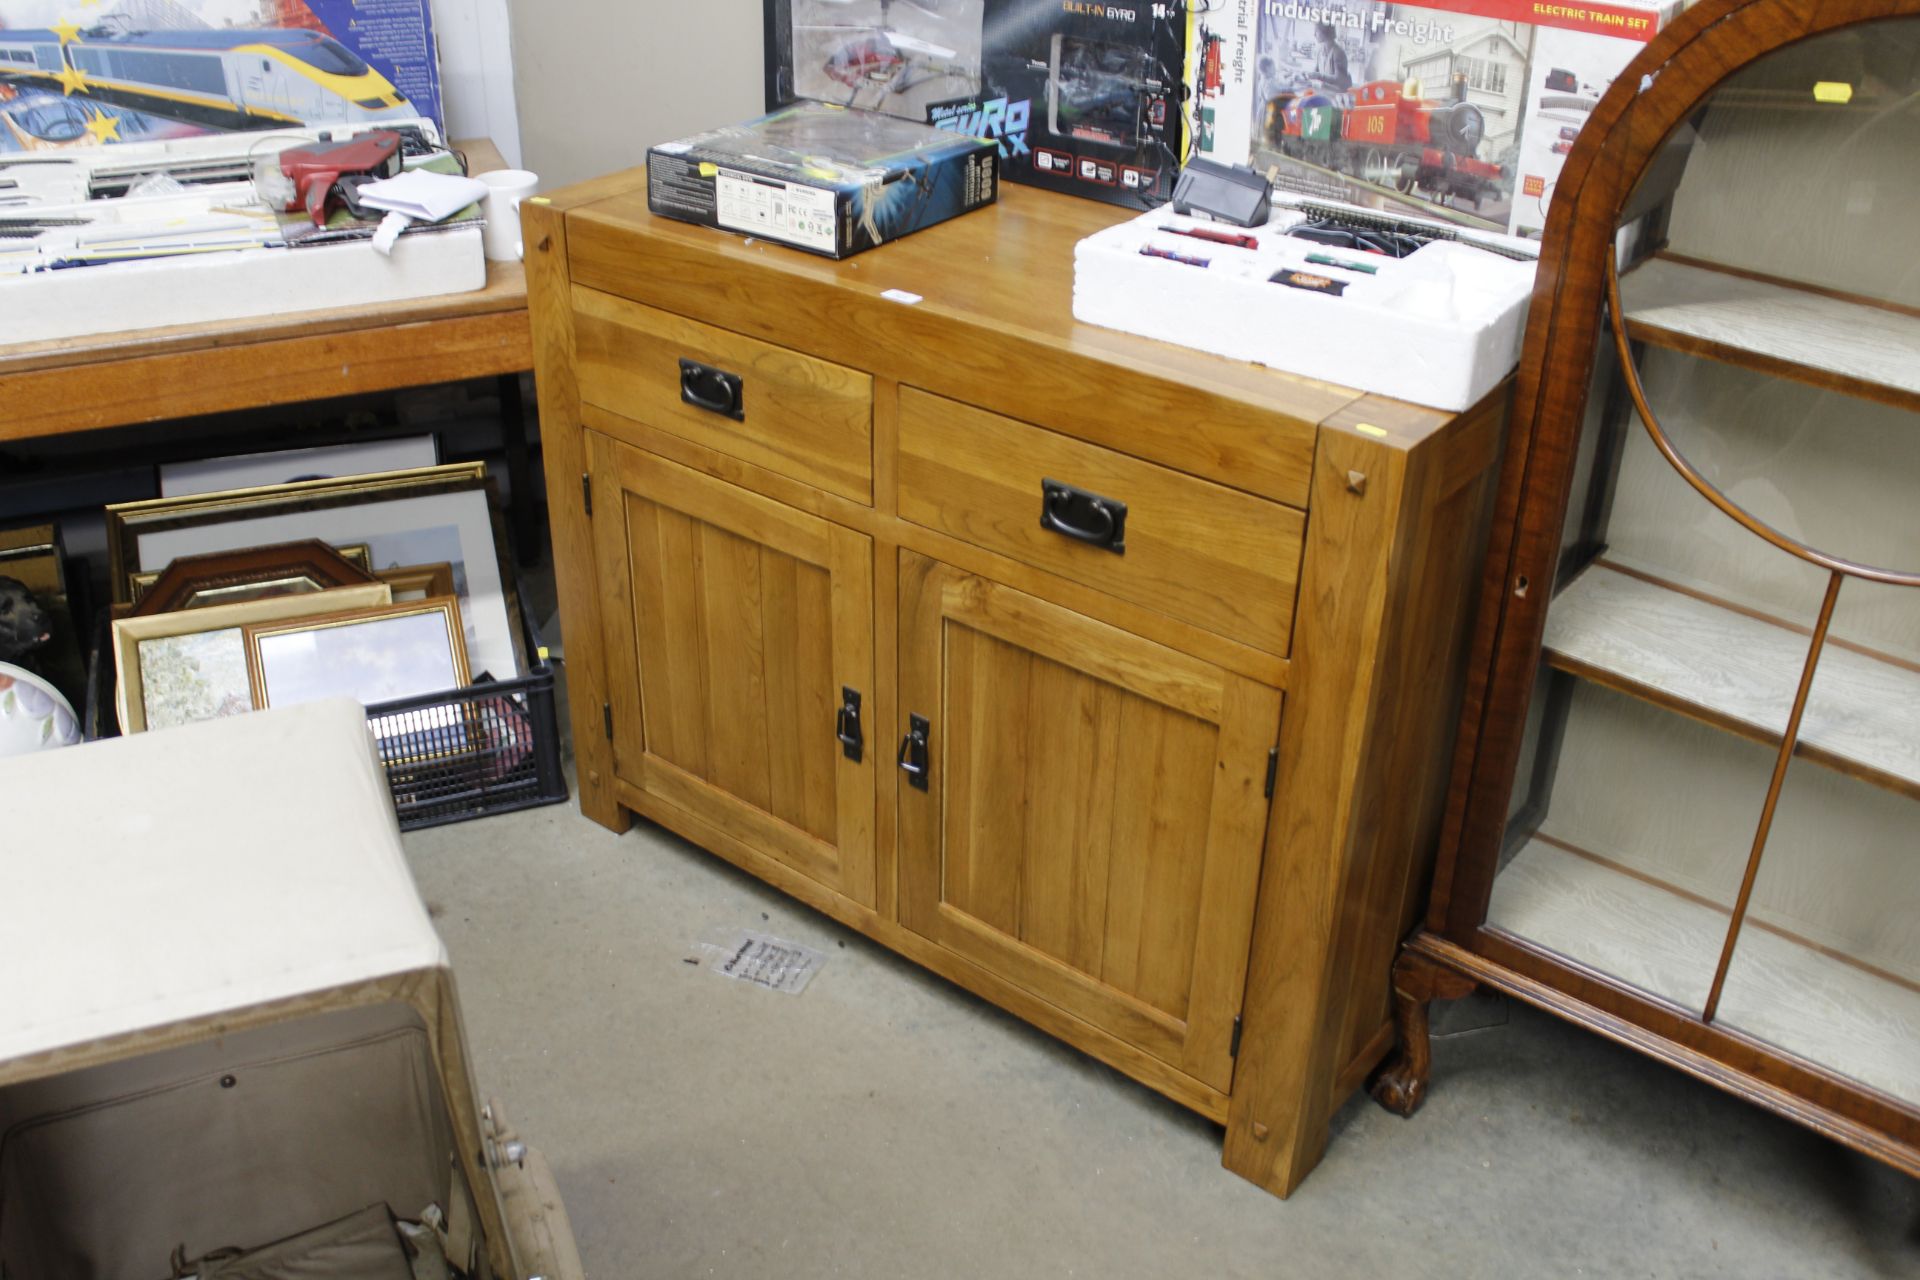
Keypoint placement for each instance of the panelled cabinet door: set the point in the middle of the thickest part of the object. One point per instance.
(750, 625)
(1086, 814)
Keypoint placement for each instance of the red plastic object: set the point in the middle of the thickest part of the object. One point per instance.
(315, 167)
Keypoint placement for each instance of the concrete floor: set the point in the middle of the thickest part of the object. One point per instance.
(884, 1123)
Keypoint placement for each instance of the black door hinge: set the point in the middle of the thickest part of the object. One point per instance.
(1233, 1050)
(586, 492)
(606, 714)
(1273, 770)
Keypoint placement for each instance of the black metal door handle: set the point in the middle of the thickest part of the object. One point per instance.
(715, 390)
(1083, 516)
(913, 752)
(847, 725)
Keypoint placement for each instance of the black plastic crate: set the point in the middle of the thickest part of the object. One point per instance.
(481, 750)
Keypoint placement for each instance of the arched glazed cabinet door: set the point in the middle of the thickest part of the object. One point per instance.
(1717, 802)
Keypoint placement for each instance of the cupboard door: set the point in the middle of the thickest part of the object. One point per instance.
(1087, 815)
(736, 629)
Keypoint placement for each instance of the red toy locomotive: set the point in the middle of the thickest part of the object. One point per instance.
(1385, 133)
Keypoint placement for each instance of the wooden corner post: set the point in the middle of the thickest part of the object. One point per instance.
(1398, 525)
(563, 446)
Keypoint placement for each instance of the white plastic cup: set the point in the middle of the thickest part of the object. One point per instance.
(506, 188)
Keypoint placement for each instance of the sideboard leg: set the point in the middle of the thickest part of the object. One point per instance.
(1401, 1083)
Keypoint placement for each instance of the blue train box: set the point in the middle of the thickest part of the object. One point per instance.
(76, 75)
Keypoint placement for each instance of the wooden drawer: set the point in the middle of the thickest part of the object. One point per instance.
(802, 417)
(1192, 549)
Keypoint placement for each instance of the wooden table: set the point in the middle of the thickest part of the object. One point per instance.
(158, 375)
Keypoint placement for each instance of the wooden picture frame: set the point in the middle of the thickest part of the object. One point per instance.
(357, 554)
(285, 466)
(302, 659)
(233, 577)
(424, 516)
(418, 581)
(129, 634)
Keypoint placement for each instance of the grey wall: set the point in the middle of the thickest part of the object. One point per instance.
(599, 81)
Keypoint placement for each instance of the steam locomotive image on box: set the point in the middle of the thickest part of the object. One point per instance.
(1385, 133)
(219, 78)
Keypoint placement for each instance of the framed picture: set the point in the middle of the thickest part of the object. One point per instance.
(419, 581)
(179, 668)
(232, 577)
(428, 516)
(288, 466)
(356, 554)
(371, 655)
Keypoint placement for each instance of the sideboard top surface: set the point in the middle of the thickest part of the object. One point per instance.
(998, 281)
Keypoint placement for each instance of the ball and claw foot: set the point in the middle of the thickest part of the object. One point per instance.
(1401, 1083)
(1398, 1087)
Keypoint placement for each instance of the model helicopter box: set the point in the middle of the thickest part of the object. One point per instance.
(1079, 97)
(823, 178)
(1460, 109)
(76, 73)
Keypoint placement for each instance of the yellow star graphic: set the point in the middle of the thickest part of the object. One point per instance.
(104, 128)
(66, 30)
(73, 80)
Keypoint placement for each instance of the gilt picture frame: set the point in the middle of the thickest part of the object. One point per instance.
(376, 654)
(178, 668)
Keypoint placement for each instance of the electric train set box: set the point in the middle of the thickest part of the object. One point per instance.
(1459, 109)
(80, 72)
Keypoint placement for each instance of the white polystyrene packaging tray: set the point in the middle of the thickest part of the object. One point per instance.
(240, 285)
(1440, 327)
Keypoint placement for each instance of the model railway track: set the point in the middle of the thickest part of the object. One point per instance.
(1268, 161)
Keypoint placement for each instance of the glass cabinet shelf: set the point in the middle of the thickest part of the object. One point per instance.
(1861, 347)
(1736, 669)
(1808, 999)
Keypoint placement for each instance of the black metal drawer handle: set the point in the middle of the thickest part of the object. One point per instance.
(913, 752)
(715, 390)
(1084, 517)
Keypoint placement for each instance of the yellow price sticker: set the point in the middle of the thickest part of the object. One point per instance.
(1832, 91)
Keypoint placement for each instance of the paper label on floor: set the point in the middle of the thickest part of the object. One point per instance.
(762, 959)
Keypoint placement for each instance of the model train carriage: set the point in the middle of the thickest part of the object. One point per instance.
(224, 79)
(1381, 133)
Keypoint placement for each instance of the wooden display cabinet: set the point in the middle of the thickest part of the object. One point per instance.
(973, 628)
(1685, 809)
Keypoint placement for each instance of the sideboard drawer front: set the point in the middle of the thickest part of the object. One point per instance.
(767, 405)
(1195, 550)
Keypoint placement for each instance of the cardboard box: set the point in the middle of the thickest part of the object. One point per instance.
(72, 74)
(822, 178)
(1080, 97)
(1442, 110)
(895, 56)
(202, 288)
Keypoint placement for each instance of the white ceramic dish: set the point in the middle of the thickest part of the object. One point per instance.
(33, 715)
